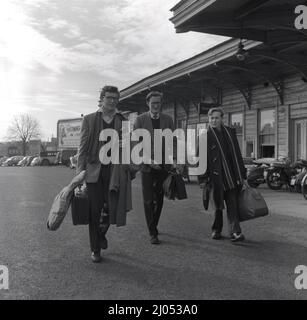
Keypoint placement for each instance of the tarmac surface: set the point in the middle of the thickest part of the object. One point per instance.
(187, 264)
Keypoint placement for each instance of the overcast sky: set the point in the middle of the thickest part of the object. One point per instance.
(55, 55)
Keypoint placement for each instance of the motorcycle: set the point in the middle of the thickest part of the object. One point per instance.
(301, 180)
(257, 171)
(281, 173)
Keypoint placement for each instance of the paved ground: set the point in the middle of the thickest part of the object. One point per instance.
(187, 265)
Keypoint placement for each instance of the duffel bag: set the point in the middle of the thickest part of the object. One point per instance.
(251, 204)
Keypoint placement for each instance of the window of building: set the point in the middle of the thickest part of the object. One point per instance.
(201, 128)
(250, 149)
(191, 147)
(267, 134)
(182, 123)
(236, 121)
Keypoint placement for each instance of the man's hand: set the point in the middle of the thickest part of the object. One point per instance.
(202, 185)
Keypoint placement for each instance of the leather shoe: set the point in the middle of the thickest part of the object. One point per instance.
(216, 235)
(235, 237)
(154, 240)
(96, 257)
(103, 242)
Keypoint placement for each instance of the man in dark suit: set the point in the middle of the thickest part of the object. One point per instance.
(97, 174)
(153, 175)
(225, 175)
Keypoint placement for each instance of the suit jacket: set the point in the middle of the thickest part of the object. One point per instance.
(88, 156)
(213, 176)
(143, 121)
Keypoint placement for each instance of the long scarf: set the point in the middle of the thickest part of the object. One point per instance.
(226, 168)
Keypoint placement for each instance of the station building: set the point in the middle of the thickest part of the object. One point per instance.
(258, 77)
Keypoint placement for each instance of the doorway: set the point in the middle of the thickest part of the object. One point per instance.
(300, 139)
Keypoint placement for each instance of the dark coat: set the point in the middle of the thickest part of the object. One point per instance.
(213, 177)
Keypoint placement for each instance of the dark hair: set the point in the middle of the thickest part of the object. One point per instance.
(106, 89)
(220, 110)
(154, 94)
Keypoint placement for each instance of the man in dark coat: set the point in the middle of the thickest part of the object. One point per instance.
(225, 175)
(97, 174)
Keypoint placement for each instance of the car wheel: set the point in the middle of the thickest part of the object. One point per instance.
(45, 163)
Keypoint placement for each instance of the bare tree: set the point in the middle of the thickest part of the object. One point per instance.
(24, 128)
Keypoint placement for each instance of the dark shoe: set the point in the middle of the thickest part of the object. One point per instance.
(235, 237)
(216, 235)
(154, 240)
(96, 257)
(103, 242)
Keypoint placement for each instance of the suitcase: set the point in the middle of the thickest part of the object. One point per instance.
(80, 207)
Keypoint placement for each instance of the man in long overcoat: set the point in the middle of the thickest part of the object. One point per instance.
(225, 175)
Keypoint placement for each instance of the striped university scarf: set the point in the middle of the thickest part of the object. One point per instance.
(229, 180)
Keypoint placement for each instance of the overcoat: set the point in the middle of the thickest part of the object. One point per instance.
(213, 177)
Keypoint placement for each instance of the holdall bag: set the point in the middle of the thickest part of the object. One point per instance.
(169, 187)
(80, 207)
(181, 192)
(62, 202)
(59, 209)
(251, 204)
(174, 187)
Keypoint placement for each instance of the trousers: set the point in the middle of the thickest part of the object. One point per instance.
(231, 198)
(98, 194)
(152, 187)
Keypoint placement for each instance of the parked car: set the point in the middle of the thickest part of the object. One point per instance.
(35, 162)
(49, 158)
(2, 160)
(13, 161)
(23, 162)
(64, 156)
(30, 159)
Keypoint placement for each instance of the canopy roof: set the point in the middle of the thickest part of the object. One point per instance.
(204, 75)
(263, 20)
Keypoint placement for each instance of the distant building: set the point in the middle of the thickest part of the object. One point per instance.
(3, 149)
(14, 148)
(52, 145)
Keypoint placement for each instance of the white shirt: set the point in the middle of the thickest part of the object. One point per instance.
(154, 116)
(107, 118)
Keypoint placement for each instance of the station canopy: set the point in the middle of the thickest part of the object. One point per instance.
(268, 21)
(266, 47)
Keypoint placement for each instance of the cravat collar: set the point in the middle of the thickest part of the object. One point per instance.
(110, 115)
(153, 116)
